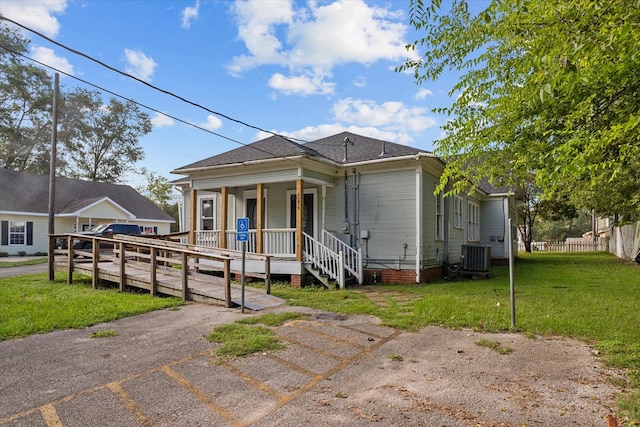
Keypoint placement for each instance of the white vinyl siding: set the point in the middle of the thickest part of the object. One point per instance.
(387, 210)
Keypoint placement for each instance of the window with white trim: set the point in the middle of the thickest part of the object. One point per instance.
(439, 217)
(474, 222)
(208, 210)
(458, 221)
(17, 232)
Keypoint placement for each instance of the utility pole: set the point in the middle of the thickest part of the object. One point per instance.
(52, 173)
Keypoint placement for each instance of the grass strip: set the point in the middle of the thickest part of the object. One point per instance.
(32, 304)
(33, 261)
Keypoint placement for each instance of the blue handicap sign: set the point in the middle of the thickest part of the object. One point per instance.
(242, 230)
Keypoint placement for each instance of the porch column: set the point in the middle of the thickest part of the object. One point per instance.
(224, 191)
(193, 218)
(260, 222)
(299, 218)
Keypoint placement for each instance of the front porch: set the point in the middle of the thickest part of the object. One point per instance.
(327, 259)
(286, 212)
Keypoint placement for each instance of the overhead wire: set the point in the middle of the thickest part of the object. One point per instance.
(295, 140)
(103, 89)
(154, 87)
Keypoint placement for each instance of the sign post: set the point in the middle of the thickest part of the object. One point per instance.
(242, 235)
(512, 292)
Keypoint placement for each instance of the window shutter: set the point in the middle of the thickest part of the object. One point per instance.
(5, 233)
(29, 233)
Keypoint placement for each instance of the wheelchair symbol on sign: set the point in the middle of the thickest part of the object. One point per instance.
(243, 230)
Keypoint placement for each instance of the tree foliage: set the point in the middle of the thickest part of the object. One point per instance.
(545, 86)
(537, 207)
(97, 141)
(157, 188)
(26, 97)
(101, 140)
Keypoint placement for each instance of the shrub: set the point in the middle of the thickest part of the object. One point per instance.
(22, 253)
(4, 254)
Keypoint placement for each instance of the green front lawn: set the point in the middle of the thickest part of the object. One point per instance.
(31, 304)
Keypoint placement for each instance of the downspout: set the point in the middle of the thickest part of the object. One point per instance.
(445, 219)
(345, 226)
(356, 205)
(418, 221)
(507, 215)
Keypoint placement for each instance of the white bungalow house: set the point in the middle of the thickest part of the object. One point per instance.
(367, 209)
(79, 205)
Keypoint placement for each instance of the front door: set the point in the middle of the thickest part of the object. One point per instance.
(308, 210)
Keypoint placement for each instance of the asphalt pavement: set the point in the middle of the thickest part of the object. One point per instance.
(336, 370)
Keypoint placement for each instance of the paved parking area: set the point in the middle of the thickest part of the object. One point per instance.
(336, 370)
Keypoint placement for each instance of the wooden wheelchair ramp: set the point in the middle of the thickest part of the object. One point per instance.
(163, 267)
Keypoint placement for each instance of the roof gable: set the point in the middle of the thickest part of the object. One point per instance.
(78, 207)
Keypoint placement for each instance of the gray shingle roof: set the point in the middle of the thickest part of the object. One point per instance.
(28, 192)
(361, 148)
(268, 148)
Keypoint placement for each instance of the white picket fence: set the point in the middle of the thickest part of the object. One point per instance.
(571, 245)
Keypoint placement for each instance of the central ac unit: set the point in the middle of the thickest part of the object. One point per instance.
(476, 259)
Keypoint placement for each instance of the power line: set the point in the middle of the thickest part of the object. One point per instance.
(156, 110)
(124, 97)
(166, 92)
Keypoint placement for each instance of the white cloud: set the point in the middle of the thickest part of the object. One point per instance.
(301, 85)
(212, 123)
(35, 14)
(140, 65)
(190, 13)
(312, 40)
(48, 56)
(390, 115)
(423, 94)
(360, 81)
(160, 120)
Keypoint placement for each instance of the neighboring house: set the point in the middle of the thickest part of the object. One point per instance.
(369, 199)
(79, 205)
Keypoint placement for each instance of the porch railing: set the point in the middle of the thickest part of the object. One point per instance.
(352, 257)
(324, 259)
(276, 241)
(323, 253)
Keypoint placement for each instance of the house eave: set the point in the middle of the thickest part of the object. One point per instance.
(235, 165)
(416, 157)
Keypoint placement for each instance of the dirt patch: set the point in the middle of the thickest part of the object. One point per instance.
(440, 375)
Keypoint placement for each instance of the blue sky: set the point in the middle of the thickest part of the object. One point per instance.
(305, 69)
